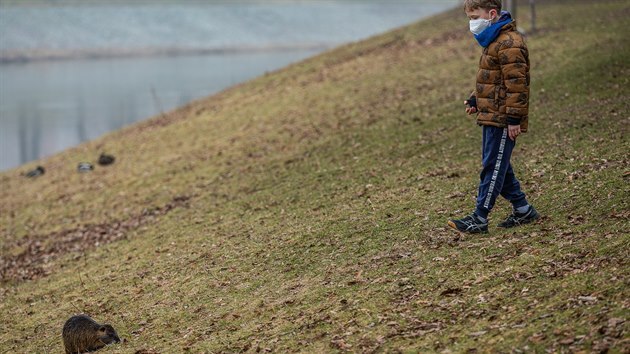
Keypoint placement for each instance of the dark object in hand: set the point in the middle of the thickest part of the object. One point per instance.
(472, 102)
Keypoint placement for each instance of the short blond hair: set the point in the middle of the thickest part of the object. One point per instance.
(470, 5)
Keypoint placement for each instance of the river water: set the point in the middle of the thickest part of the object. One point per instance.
(70, 73)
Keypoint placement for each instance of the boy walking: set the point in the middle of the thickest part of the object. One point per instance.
(501, 102)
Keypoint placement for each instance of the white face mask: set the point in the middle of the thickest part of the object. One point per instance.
(479, 25)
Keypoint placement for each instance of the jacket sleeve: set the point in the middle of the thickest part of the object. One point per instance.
(514, 67)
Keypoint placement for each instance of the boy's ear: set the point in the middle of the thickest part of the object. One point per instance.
(496, 14)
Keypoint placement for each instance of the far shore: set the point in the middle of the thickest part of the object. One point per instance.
(121, 2)
(24, 56)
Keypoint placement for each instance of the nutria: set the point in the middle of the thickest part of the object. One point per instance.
(82, 334)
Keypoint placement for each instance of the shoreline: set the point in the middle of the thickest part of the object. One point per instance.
(27, 56)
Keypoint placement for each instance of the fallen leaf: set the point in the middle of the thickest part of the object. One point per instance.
(478, 334)
(587, 298)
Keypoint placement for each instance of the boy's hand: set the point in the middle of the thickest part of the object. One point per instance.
(470, 109)
(514, 131)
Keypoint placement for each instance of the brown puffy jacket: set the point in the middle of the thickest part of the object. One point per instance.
(502, 89)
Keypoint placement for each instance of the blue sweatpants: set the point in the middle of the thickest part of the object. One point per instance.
(497, 176)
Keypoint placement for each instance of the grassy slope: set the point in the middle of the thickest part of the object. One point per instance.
(319, 196)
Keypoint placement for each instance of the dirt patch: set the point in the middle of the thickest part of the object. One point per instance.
(39, 251)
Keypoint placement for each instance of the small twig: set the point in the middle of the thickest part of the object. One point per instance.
(76, 308)
(82, 283)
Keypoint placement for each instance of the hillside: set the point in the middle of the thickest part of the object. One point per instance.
(306, 210)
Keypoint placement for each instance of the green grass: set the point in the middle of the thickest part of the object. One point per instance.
(319, 196)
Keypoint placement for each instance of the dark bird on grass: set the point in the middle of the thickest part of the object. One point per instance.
(38, 171)
(105, 159)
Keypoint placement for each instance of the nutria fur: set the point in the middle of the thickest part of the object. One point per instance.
(82, 334)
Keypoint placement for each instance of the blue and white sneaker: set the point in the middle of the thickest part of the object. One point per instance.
(516, 219)
(469, 224)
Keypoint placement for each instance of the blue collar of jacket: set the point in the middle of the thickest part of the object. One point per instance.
(491, 33)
